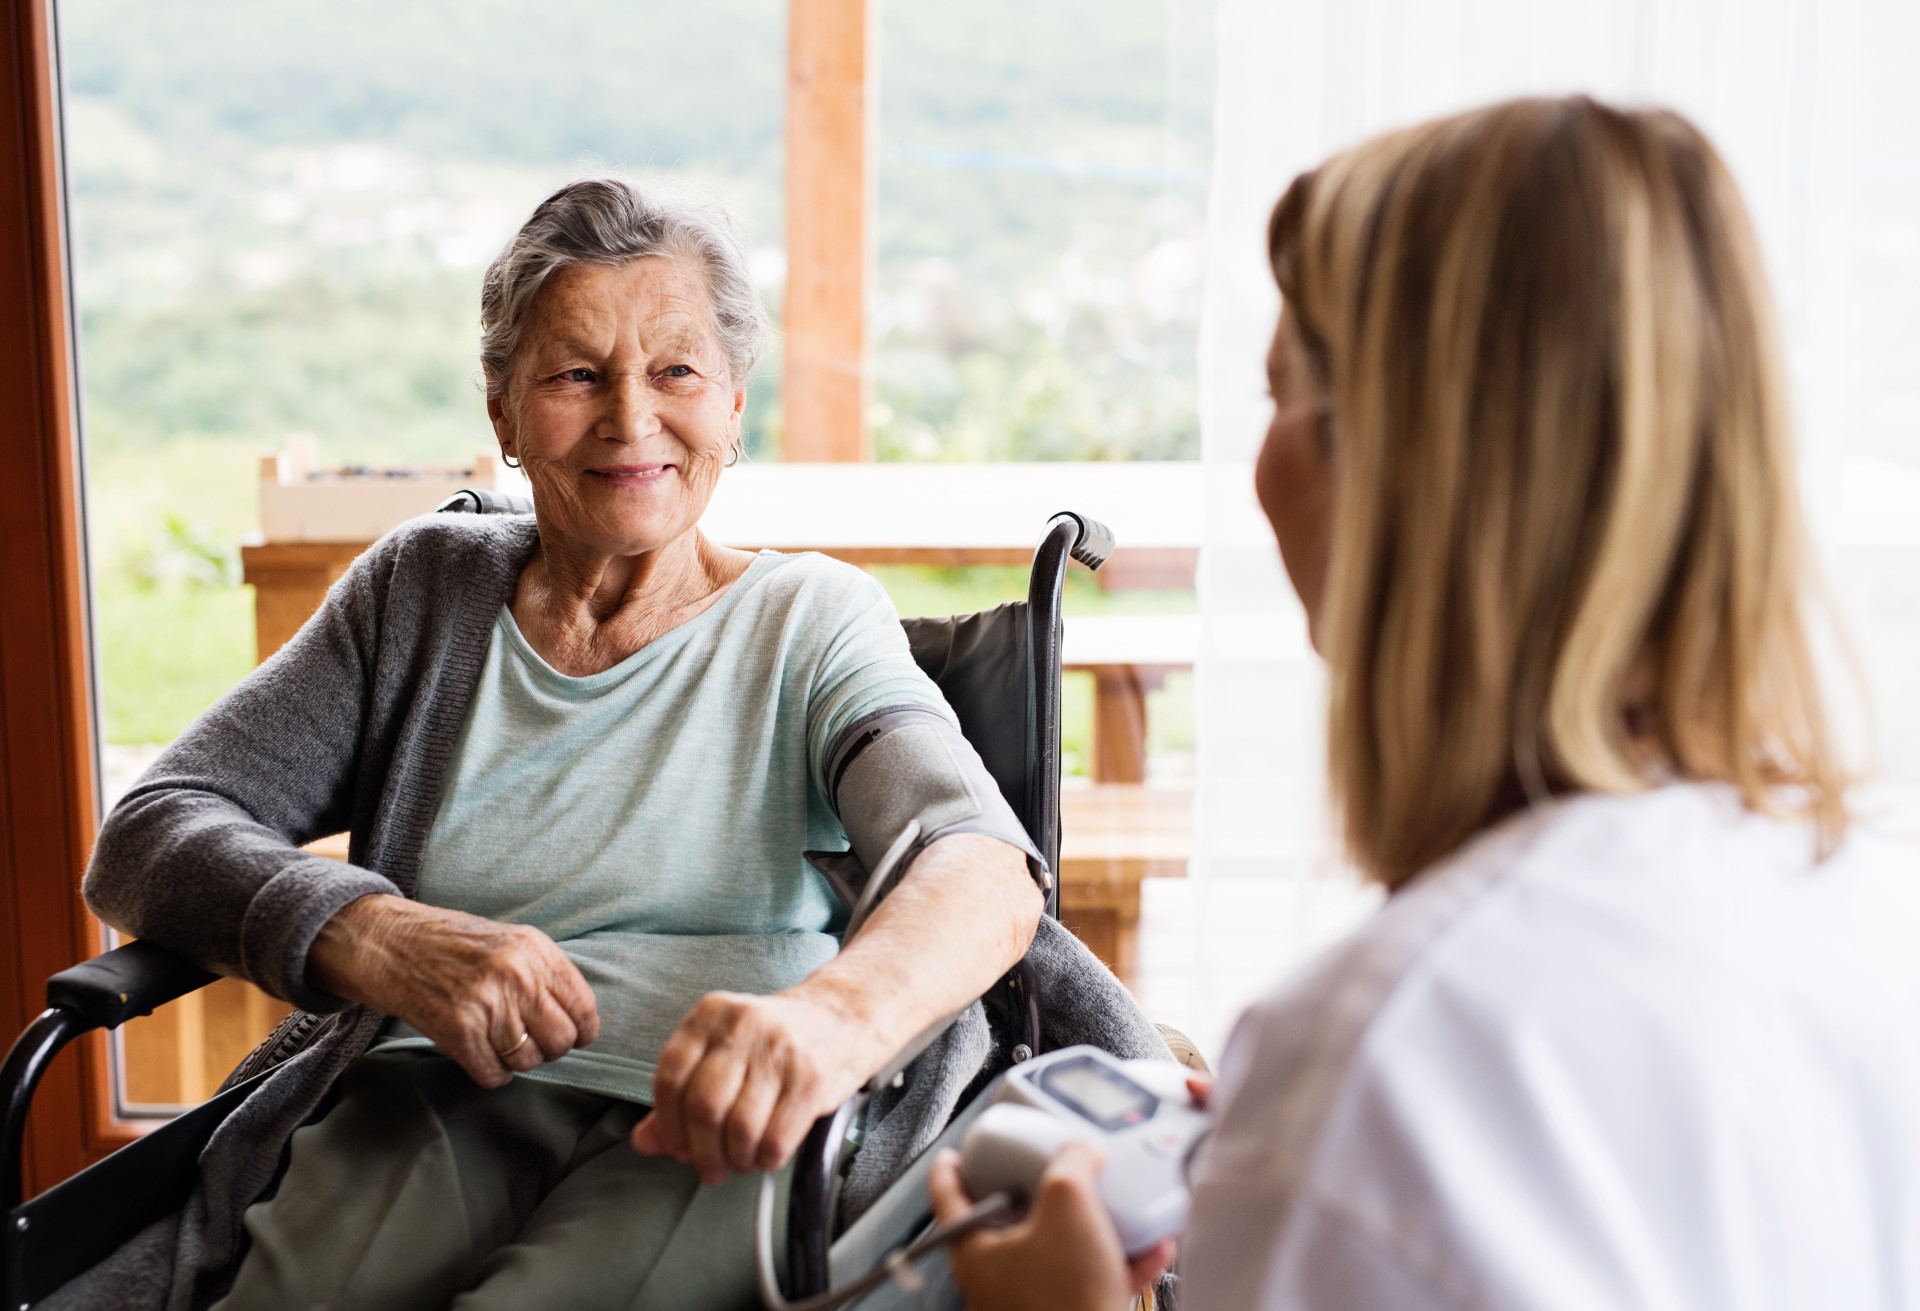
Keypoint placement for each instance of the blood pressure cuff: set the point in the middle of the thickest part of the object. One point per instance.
(911, 768)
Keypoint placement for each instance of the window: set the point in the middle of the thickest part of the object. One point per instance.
(279, 216)
(1040, 232)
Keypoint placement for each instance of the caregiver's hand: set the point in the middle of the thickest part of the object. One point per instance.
(743, 1078)
(1062, 1256)
(472, 985)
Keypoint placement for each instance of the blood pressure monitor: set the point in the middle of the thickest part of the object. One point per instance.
(1139, 1111)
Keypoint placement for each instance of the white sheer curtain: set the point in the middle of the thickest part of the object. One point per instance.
(1813, 104)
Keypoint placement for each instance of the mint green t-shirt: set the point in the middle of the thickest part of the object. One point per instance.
(651, 818)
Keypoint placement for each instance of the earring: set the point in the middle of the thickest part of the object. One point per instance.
(733, 455)
(509, 461)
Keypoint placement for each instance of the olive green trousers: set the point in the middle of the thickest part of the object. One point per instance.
(419, 1189)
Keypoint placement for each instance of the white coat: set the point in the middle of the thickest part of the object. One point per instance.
(1619, 1052)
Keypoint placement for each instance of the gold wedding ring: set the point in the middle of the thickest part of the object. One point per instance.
(524, 1035)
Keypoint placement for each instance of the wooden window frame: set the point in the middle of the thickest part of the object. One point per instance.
(48, 782)
(47, 779)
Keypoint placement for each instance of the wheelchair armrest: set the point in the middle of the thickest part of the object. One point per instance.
(126, 982)
(101, 993)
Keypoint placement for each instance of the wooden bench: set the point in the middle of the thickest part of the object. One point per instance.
(1112, 836)
(1128, 656)
(1115, 829)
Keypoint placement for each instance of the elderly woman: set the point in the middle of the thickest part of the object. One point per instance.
(580, 756)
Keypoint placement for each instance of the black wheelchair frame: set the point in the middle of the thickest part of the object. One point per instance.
(981, 662)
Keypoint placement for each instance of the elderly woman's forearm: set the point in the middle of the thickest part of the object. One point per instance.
(963, 916)
(334, 961)
(183, 865)
(202, 855)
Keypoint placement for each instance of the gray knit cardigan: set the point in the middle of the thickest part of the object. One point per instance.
(350, 726)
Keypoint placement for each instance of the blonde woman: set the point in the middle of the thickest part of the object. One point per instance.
(1639, 1025)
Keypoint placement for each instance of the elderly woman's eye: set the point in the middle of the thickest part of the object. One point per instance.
(577, 375)
(677, 371)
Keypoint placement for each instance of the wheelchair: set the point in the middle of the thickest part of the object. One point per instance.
(998, 669)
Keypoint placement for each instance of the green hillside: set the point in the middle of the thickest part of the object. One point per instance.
(281, 213)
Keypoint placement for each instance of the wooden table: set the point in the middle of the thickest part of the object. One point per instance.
(932, 514)
(1128, 655)
(865, 514)
(966, 514)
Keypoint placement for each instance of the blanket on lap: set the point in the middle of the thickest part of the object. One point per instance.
(187, 1260)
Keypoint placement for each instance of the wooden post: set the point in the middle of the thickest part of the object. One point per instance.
(830, 189)
(290, 580)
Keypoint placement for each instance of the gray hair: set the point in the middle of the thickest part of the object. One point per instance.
(608, 219)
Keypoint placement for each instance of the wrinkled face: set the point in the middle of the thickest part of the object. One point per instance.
(620, 405)
(1294, 475)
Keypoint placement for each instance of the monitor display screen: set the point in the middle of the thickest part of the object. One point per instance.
(1099, 1093)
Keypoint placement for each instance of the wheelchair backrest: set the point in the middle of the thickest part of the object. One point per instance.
(982, 666)
(985, 666)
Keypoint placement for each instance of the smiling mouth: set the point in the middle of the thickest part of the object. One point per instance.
(632, 475)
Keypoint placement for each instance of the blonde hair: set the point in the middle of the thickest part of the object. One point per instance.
(1567, 550)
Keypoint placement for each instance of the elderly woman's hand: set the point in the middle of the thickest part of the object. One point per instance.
(474, 986)
(743, 1078)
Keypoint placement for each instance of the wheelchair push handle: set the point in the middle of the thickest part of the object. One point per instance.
(480, 500)
(1095, 544)
(1092, 541)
